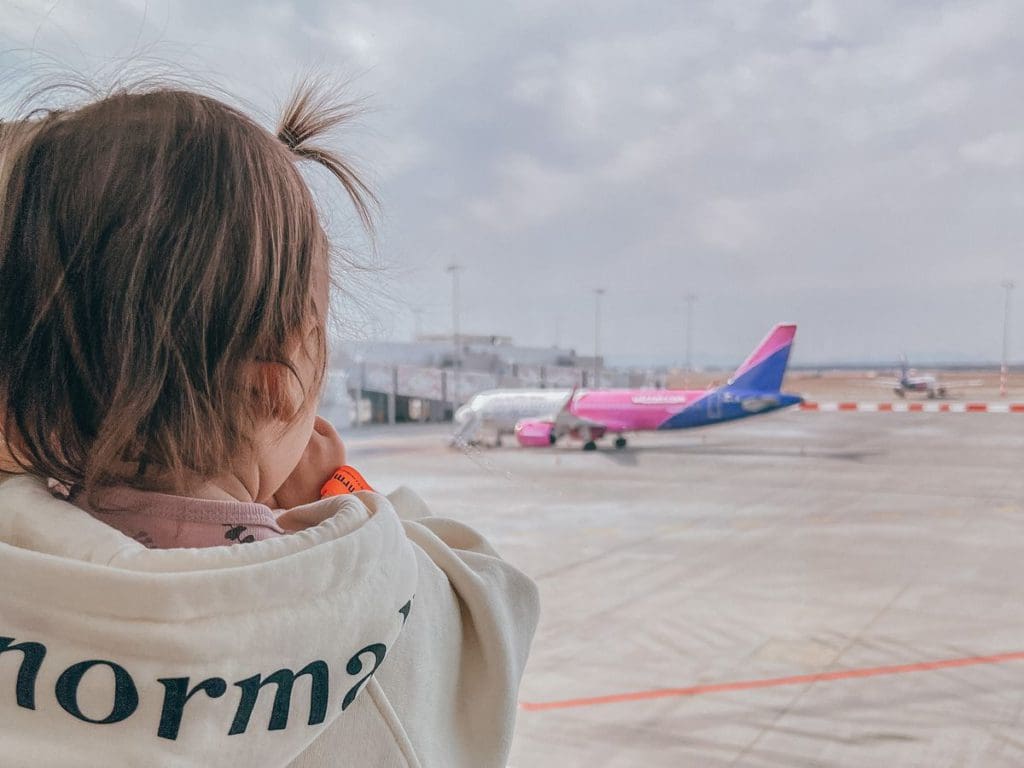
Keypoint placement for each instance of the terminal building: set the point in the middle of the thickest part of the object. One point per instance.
(429, 378)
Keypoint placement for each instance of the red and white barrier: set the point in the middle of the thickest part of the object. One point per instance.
(923, 407)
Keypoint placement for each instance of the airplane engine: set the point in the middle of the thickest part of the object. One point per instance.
(535, 433)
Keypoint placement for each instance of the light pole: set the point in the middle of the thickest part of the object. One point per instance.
(1008, 286)
(690, 299)
(361, 366)
(598, 293)
(453, 269)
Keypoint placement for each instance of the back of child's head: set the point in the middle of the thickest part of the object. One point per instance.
(161, 266)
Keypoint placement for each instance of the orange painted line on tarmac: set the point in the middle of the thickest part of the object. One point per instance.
(968, 407)
(774, 682)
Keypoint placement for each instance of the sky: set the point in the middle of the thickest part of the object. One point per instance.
(855, 167)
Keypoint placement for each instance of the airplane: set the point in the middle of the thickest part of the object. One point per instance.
(910, 381)
(540, 417)
(589, 415)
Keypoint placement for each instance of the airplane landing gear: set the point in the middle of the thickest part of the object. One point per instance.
(590, 445)
(620, 442)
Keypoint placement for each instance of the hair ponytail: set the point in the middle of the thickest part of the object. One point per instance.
(311, 113)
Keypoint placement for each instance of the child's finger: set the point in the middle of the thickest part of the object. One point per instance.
(323, 427)
(327, 431)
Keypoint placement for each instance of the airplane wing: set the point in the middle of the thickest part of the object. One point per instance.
(547, 430)
(566, 421)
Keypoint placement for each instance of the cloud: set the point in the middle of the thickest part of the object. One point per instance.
(772, 152)
(1004, 149)
(727, 224)
(526, 193)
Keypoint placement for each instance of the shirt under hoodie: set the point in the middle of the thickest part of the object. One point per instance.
(377, 636)
(163, 520)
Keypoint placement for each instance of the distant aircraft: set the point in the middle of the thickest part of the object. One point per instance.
(910, 381)
(542, 417)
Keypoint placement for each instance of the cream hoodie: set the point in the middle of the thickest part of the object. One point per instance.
(378, 637)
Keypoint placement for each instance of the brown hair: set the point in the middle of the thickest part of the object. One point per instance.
(153, 247)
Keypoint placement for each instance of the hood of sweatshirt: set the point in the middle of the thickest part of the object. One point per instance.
(111, 653)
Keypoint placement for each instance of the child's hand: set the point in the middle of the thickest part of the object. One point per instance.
(324, 453)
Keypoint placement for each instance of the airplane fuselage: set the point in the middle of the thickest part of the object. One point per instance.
(496, 412)
(639, 410)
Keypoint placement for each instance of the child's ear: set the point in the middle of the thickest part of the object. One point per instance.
(273, 389)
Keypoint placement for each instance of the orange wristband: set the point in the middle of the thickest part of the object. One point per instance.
(344, 480)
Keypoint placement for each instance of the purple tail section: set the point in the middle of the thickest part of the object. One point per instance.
(764, 369)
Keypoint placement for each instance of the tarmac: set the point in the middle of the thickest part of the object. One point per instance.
(799, 589)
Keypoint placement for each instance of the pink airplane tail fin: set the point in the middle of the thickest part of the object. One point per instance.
(764, 369)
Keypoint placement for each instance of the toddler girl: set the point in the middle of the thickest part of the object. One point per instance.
(163, 300)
